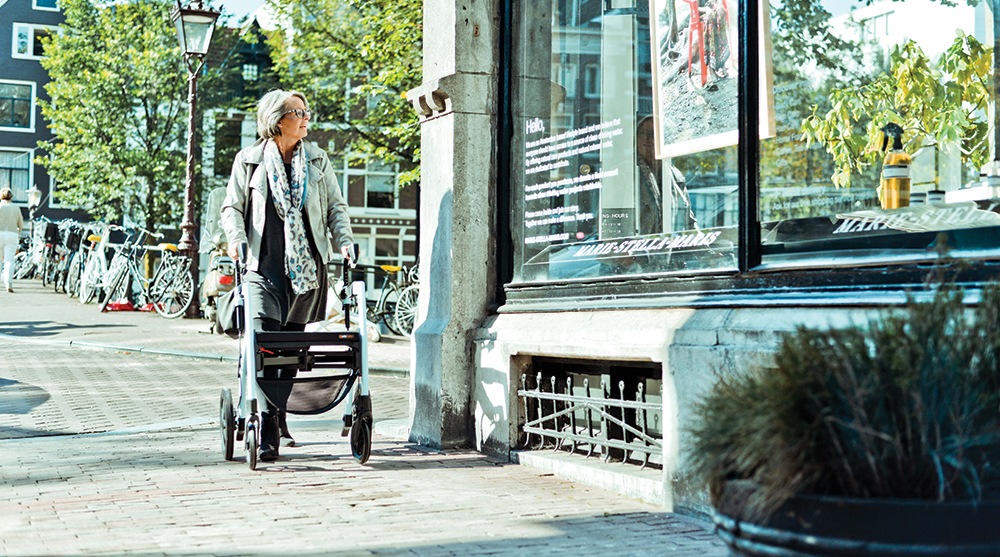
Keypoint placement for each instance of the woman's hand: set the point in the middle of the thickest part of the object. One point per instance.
(348, 253)
(234, 251)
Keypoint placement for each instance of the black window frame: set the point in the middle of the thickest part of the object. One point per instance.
(751, 285)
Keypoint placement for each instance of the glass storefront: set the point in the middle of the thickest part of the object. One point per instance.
(624, 151)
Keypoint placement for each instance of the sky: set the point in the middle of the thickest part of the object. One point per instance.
(238, 8)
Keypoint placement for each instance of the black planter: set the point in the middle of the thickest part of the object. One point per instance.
(840, 526)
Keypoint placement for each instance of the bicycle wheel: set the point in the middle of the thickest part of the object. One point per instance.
(91, 279)
(23, 265)
(172, 291)
(46, 271)
(117, 288)
(406, 311)
(72, 286)
(388, 302)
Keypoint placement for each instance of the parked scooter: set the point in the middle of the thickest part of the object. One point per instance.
(219, 279)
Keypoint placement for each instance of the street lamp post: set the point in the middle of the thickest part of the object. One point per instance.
(34, 202)
(195, 24)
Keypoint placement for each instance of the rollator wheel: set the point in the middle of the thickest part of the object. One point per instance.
(227, 423)
(361, 440)
(251, 442)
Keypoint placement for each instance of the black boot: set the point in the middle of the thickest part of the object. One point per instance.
(286, 438)
(269, 436)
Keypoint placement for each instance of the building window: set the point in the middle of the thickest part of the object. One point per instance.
(28, 40)
(45, 5)
(17, 106)
(381, 190)
(15, 172)
(251, 72)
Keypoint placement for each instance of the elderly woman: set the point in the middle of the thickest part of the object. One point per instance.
(11, 224)
(283, 201)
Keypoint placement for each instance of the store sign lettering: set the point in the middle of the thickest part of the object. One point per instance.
(648, 245)
(536, 126)
(919, 218)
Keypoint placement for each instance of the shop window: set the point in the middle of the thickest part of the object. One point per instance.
(17, 106)
(640, 175)
(28, 40)
(599, 189)
(15, 173)
(823, 194)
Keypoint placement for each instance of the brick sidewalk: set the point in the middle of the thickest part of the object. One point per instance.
(170, 493)
(149, 477)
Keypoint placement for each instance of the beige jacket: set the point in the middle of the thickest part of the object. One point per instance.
(324, 203)
(10, 217)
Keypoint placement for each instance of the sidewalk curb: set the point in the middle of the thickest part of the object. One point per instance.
(164, 352)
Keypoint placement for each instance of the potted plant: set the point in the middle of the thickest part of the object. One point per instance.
(876, 439)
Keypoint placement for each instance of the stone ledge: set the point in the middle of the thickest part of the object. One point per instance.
(623, 479)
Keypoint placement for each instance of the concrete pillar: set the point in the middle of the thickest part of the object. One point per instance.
(457, 213)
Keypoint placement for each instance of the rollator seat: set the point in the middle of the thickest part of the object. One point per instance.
(315, 358)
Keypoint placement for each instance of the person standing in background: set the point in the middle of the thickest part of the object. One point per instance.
(11, 224)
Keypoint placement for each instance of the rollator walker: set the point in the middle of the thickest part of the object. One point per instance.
(326, 364)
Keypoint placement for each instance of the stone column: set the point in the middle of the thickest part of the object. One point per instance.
(456, 104)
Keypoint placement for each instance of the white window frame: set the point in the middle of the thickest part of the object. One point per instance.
(52, 29)
(34, 104)
(344, 172)
(35, 6)
(30, 153)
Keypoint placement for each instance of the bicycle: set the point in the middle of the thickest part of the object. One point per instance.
(170, 290)
(397, 279)
(406, 310)
(69, 244)
(95, 270)
(77, 260)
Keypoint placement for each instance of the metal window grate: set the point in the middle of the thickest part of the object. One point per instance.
(603, 425)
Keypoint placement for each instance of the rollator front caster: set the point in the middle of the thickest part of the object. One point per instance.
(252, 436)
(361, 429)
(251, 445)
(227, 423)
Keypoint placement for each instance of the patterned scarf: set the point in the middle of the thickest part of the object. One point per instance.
(288, 201)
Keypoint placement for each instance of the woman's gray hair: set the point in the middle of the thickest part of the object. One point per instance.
(6, 194)
(272, 108)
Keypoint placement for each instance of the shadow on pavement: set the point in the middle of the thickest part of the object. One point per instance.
(19, 398)
(50, 328)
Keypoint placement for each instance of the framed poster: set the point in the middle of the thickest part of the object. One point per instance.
(694, 54)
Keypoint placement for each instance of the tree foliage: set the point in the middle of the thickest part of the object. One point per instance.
(935, 103)
(355, 60)
(117, 110)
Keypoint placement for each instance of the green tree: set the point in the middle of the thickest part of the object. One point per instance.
(355, 60)
(117, 110)
(935, 103)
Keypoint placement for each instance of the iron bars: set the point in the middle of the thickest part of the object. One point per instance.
(599, 424)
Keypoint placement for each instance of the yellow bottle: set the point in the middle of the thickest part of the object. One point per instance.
(894, 188)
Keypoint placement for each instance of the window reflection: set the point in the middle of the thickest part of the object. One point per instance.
(925, 66)
(594, 197)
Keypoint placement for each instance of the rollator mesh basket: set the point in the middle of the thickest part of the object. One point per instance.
(307, 395)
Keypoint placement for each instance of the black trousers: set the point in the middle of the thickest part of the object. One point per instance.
(266, 324)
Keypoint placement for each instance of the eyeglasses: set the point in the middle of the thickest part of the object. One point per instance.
(300, 113)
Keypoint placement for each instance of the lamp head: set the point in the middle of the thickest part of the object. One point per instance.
(34, 197)
(195, 25)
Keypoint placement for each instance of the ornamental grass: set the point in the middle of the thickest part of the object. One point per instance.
(906, 406)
